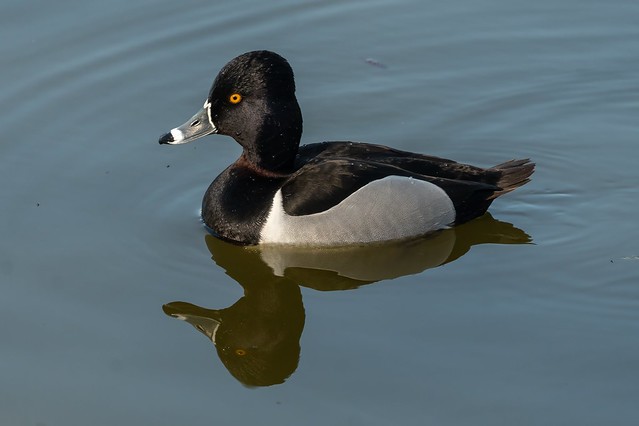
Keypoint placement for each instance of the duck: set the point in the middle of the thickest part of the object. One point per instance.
(333, 193)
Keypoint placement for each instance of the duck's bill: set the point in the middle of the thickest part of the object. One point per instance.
(206, 321)
(199, 125)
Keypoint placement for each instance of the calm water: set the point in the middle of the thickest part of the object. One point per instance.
(528, 317)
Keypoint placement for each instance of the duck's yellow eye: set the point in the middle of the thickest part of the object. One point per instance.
(240, 352)
(235, 98)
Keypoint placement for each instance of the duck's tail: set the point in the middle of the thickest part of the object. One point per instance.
(513, 174)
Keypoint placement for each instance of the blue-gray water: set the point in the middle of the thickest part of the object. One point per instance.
(100, 230)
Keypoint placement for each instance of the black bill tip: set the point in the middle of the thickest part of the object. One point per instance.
(166, 138)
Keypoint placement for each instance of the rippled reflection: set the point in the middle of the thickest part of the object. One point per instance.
(257, 338)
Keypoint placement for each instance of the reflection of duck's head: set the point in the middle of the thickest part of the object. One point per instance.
(258, 345)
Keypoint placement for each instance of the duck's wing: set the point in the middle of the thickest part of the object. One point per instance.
(421, 164)
(323, 183)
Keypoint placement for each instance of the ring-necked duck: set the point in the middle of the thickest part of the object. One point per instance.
(329, 193)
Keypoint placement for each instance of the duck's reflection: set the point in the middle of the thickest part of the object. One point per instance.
(257, 338)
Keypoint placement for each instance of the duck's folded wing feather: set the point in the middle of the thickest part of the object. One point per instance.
(426, 165)
(320, 185)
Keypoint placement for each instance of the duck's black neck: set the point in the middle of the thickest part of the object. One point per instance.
(275, 152)
(273, 145)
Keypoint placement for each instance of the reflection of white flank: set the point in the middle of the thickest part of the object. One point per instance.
(388, 209)
(364, 263)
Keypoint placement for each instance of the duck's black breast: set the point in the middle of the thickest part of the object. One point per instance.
(236, 204)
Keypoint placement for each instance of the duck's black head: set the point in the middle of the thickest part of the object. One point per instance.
(253, 101)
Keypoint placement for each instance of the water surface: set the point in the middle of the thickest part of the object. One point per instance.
(527, 317)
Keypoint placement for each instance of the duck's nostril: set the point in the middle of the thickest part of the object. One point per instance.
(195, 123)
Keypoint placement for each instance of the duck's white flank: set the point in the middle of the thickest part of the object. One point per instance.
(388, 209)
